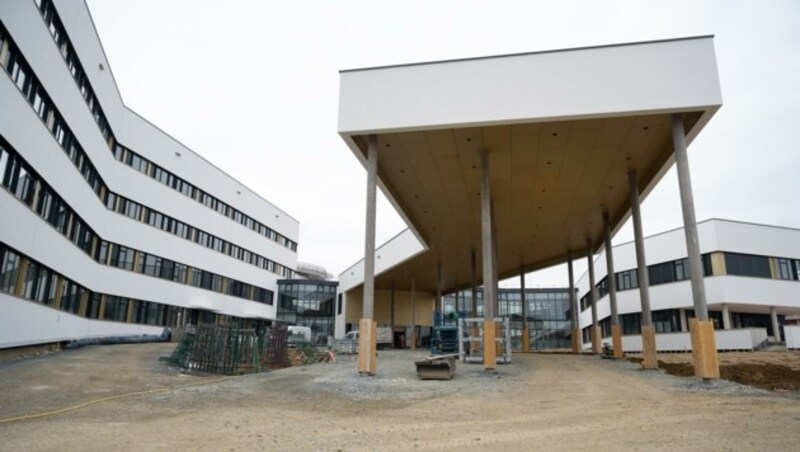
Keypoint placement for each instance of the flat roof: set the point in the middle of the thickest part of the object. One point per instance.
(562, 129)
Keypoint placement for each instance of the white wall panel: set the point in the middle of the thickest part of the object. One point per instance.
(26, 323)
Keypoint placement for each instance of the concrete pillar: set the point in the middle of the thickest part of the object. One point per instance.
(574, 308)
(393, 302)
(474, 284)
(648, 331)
(367, 351)
(704, 349)
(495, 278)
(726, 317)
(684, 324)
(776, 327)
(526, 334)
(439, 298)
(595, 329)
(489, 294)
(413, 339)
(616, 331)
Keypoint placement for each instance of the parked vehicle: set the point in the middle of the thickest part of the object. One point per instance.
(383, 336)
(304, 331)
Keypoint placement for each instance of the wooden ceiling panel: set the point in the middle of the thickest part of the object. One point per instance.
(550, 185)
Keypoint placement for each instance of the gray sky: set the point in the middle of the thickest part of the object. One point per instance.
(253, 87)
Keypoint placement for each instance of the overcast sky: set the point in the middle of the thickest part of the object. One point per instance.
(252, 86)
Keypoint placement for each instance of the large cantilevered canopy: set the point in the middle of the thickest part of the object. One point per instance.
(562, 130)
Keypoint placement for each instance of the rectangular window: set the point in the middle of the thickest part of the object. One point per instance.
(93, 307)
(30, 281)
(71, 297)
(785, 270)
(152, 265)
(167, 269)
(116, 309)
(180, 273)
(747, 265)
(196, 277)
(661, 273)
(9, 270)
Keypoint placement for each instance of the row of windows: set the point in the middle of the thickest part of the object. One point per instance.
(154, 171)
(67, 50)
(135, 161)
(20, 179)
(28, 84)
(735, 264)
(23, 277)
(662, 273)
(542, 304)
(669, 321)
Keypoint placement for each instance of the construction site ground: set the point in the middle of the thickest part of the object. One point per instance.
(540, 401)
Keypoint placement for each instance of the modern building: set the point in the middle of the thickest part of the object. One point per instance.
(752, 283)
(547, 311)
(110, 226)
(515, 163)
(308, 302)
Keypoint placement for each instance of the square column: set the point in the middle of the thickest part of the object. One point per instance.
(367, 340)
(703, 343)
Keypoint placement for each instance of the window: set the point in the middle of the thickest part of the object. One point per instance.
(196, 277)
(116, 309)
(9, 270)
(786, 270)
(661, 273)
(167, 269)
(180, 273)
(71, 297)
(747, 265)
(93, 307)
(101, 253)
(152, 265)
(122, 257)
(627, 280)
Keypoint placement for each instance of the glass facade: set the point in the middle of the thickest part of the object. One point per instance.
(308, 303)
(548, 315)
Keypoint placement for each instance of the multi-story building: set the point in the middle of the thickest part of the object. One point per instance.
(751, 277)
(109, 226)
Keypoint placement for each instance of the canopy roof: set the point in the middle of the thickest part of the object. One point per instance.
(562, 130)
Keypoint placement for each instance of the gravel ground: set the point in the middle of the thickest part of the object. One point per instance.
(557, 402)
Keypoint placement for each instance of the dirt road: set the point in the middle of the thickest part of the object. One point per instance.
(557, 402)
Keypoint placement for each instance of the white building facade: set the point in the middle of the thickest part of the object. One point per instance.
(751, 276)
(110, 226)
